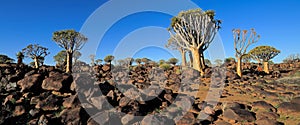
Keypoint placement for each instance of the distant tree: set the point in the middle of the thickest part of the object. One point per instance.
(145, 60)
(138, 61)
(36, 52)
(265, 54)
(61, 58)
(20, 57)
(129, 61)
(76, 56)
(153, 63)
(98, 61)
(71, 41)
(291, 58)
(196, 30)
(6, 59)
(160, 62)
(229, 59)
(208, 62)
(109, 58)
(92, 57)
(165, 66)
(218, 62)
(173, 61)
(247, 58)
(242, 40)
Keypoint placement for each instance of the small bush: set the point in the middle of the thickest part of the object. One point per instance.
(165, 66)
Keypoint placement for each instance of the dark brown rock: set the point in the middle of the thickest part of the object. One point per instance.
(238, 114)
(30, 83)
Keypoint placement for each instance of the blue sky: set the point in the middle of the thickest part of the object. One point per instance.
(34, 21)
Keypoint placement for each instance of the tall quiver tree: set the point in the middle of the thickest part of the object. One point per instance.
(242, 40)
(71, 41)
(265, 54)
(20, 57)
(35, 52)
(196, 30)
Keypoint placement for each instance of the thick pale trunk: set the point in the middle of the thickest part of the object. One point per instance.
(196, 60)
(69, 62)
(183, 57)
(191, 59)
(266, 67)
(239, 66)
(36, 62)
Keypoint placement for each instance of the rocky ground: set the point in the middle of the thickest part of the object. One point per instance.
(149, 95)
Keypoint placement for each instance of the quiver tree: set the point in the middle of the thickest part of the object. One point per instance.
(98, 61)
(71, 41)
(264, 54)
(194, 30)
(20, 57)
(242, 40)
(173, 61)
(172, 44)
(138, 61)
(5, 59)
(109, 58)
(61, 57)
(35, 52)
(92, 57)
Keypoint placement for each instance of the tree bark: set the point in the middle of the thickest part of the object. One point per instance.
(191, 59)
(239, 66)
(266, 67)
(183, 57)
(36, 62)
(196, 60)
(69, 62)
(202, 61)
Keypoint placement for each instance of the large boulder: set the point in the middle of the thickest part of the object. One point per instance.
(238, 114)
(288, 107)
(31, 83)
(57, 82)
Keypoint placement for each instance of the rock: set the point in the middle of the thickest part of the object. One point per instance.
(288, 107)
(266, 121)
(296, 100)
(48, 104)
(188, 119)
(156, 120)
(19, 110)
(124, 101)
(106, 68)
(128, 119)
(264, 106)
(71, 116)
(71, 101)
(103, 118)
(11, 87)
(238, 114)
(268, 115)
(57, 82)
(208, 110)
(43, 120)
(34, 112)
(31, 83)
(100, 102)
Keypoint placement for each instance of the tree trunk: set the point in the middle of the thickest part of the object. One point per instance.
(196, 60)
(191, 59)
(266, 67)
(20, 61)
(183, 57)
(239, 66)
(36, 62)
(69, 62)
(202, 61)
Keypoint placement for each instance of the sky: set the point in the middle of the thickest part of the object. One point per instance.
(33, 22)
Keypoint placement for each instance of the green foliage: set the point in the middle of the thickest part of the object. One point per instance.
(6, 59)
(173, 61)
(138, 60)
(109, 58)
(160, 62)
(35, 51)
(264, 53)
(218, 62)
(60, 57)
(208, 62)
(70, 40)
(229, 59)
(145, 60)
(165, 66)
